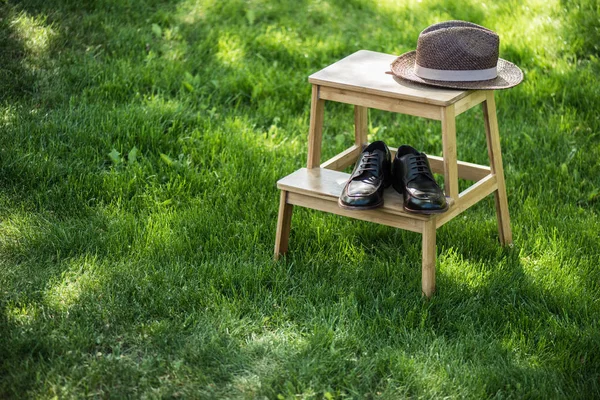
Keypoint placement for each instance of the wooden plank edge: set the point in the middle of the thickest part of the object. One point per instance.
(378, 215)
(470, 101)
(467, 198)
(344, 159)
(378, 92)
(381, 103)
(466, 170)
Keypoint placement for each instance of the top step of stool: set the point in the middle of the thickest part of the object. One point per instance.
(365, 71)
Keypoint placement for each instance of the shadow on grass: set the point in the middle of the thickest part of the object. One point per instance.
(195, 306)
(15, 80)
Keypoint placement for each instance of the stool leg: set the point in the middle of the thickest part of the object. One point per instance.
(284, 223)
(428, 268)
(495, 154)
(315, 132)
(361, 126)
(449, 149)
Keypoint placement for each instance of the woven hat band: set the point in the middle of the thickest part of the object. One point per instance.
(456, 75)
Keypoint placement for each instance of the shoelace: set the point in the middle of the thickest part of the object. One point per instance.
(368, 162)
(418, 166)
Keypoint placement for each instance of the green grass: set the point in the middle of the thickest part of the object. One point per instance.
(140, 143)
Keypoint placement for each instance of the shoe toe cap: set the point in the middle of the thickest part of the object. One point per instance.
(429, 202)
(365, 201)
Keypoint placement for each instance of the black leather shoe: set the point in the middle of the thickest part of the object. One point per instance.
(371, 175)
(412, 177)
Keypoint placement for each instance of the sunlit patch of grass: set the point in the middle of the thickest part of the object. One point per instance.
(192, 12)
(530, 30)
(465, 273)
(269, 351)
(7, 116)
(551, 271)
(279, 37)
(320, 6)
(271, 138)
(35, 33)
(78, 277)
(157, 104)
(229, 50)
(18, 229)
(22, 314)
(175, 48)
(138, 206)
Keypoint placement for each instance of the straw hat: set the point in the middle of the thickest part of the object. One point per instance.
(460, 55)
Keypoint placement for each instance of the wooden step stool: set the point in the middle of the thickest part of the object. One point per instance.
(361, 80)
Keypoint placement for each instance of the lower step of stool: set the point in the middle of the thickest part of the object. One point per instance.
(320, 188)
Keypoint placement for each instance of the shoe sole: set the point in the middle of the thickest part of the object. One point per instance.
(359, 208)
(426, 212)
(400, 190)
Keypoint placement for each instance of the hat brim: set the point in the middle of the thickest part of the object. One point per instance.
(509, 75)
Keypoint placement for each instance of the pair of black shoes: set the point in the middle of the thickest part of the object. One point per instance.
(409, 174)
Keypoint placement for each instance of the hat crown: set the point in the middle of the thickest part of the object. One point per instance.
(457, 46)
(457, 55)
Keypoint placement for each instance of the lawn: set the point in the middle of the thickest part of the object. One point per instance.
(140, 146)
